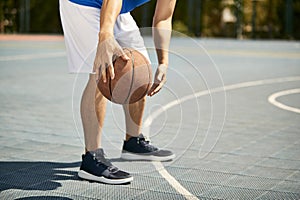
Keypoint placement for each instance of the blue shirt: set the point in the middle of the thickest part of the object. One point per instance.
(127, 5)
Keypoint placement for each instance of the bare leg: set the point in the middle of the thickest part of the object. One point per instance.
(93, 106)
(133, 118)
(139, 148)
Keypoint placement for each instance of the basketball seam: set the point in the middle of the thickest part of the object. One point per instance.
(109, 86)
(132, 79)
(149, 78)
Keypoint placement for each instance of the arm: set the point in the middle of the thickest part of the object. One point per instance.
(162, 29)
(109, 12)
(162, 23)
(107, 48)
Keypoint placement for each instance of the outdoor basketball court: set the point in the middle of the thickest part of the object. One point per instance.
(230, 111)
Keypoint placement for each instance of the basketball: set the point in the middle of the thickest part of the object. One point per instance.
(132, 79)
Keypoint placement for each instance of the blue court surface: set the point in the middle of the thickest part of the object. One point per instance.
(230, 110)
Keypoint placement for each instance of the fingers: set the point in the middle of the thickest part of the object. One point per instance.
(159, 81)
(124, 57)
(159, 77)
(156, 87)
(122, 54)
(103, 70)
(103, 74)
(107, 51)
(96, 71)
(107, 71)
(98, 74)
(150, 92)
(111, 71)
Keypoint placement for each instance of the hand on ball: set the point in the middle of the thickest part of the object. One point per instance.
(159, 79)
(108, 50)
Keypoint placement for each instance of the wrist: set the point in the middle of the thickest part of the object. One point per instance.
(104, 35)
(163, 64)
(162, 67)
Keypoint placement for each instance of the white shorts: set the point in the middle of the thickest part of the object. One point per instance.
(81, 25)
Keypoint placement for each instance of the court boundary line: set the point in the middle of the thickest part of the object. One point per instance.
(173, 182)
(272, 99)
(159, 166)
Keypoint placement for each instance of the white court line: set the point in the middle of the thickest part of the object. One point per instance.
(272, 99)
(173, 182)
(32, 56)
(159, 166)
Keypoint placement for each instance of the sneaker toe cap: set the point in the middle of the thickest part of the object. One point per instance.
(163, 153)
(119, 174)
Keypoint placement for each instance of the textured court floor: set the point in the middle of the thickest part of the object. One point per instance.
(230, 111)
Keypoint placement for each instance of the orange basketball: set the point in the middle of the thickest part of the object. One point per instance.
(132, 79)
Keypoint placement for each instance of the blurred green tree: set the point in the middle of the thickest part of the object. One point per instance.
(205, 18)
(45, 17)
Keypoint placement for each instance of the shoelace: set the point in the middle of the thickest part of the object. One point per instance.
(100, 159)
(112, 169)
(146, 144)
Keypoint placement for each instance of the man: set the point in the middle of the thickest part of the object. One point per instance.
(108, 26)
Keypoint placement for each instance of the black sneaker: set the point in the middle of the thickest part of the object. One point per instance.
(137, 148)
(95, 167)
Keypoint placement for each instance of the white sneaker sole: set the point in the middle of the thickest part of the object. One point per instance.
(87, 176)
(132, 156)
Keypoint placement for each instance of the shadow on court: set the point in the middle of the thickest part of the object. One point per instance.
(41, 176)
